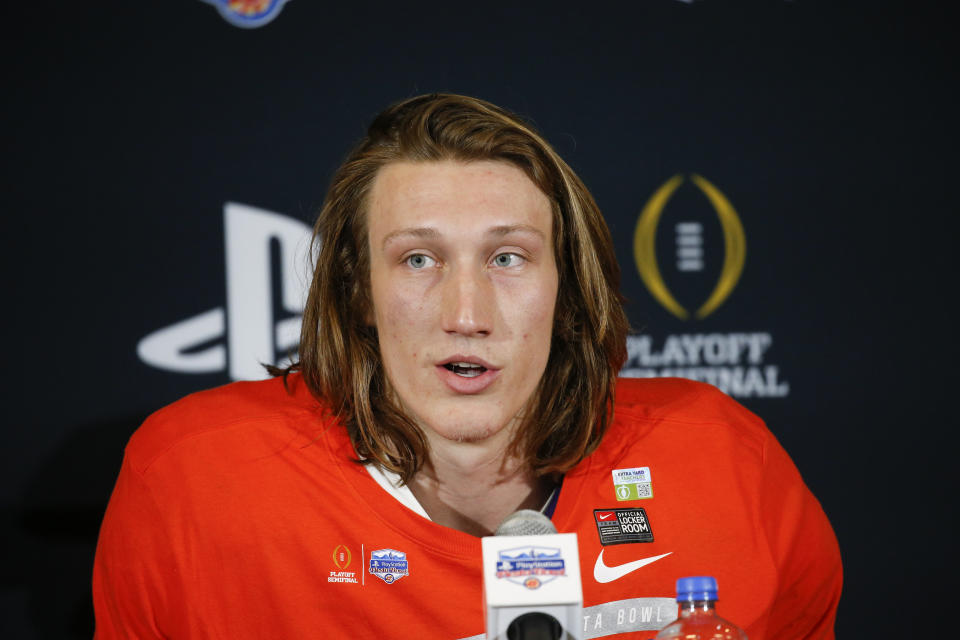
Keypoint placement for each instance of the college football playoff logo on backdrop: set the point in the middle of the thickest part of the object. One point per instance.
(689, 247)
(248, 14)
(690, 256)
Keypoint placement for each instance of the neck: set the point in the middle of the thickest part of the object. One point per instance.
(470, 490)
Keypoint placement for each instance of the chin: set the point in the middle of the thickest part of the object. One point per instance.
(467, 431)
(471, 435)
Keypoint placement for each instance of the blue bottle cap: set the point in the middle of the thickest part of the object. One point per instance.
(696, 588)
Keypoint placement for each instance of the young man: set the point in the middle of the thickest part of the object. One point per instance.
(458, 362)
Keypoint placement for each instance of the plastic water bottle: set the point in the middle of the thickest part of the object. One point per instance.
(697, 618)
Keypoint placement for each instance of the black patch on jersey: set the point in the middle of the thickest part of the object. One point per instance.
(620, 526)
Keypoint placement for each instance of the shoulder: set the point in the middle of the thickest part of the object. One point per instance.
(683, 408)
(240, 405)
(679, 399)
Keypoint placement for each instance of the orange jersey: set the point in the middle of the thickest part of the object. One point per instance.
(240, 512)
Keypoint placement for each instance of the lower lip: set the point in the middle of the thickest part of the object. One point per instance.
(461, 384)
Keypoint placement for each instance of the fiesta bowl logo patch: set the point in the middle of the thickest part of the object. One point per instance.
(389, 565)
(248, 14)
(530, 566)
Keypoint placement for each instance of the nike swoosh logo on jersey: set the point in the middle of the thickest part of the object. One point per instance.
(602, 573)
(605, 516)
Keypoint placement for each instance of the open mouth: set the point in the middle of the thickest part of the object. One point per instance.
(465, 369)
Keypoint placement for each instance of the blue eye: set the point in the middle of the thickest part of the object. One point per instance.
(507, 260)
(420, 261)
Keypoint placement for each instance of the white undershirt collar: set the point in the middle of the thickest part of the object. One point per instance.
(390, 482)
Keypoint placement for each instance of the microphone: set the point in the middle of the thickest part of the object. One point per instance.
(525, 522)
(531, 580)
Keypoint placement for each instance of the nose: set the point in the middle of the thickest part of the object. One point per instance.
(468, 303)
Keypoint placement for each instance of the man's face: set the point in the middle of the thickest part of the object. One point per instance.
(464, 284)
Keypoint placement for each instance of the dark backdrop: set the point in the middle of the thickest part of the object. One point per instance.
(129, 126)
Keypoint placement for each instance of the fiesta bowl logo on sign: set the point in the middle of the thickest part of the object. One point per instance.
(530, 566)
(248, 14)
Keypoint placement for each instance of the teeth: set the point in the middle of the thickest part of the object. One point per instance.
(466, 369)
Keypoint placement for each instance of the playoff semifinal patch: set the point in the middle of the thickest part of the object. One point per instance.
(342, 557)
(620, 526)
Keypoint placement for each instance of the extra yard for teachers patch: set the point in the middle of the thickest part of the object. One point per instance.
(632, 484)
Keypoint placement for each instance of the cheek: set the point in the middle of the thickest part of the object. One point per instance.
(538, 309)
(399, 318)
(531, 316)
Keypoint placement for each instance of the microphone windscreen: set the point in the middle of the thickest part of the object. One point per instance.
(526, 522)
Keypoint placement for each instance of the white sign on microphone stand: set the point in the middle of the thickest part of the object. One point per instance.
(532, 574)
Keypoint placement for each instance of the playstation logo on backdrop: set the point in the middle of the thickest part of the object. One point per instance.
(261, 325)
(248, 14)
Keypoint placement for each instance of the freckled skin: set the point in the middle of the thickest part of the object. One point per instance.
(462, 264)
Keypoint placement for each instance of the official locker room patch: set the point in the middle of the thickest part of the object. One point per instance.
(632, 484)
(620, 526)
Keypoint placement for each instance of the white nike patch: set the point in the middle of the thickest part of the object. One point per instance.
(602, 573)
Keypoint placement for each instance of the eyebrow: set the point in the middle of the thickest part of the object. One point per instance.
(432, 234)
(412, 232)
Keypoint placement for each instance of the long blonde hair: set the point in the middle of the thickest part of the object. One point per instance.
(339, 355)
